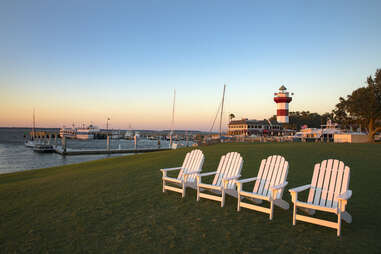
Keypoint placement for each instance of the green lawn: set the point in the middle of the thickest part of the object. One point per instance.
(117, 205)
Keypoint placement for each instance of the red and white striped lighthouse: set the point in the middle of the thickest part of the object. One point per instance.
(282, 100)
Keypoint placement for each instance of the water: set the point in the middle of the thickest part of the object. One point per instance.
(15, 156)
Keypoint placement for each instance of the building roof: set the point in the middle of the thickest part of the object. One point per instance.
(257, 122)
(242, 121)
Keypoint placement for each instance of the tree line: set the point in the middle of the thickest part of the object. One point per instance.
(305, 118)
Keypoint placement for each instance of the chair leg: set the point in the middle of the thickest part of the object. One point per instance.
(339, 224)
(184, 189)
(294, 216)
(271, 210)
(163, 185)
(198, 193)
(223, 198)
(239, 203)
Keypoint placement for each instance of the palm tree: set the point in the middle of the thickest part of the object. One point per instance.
(231, 116)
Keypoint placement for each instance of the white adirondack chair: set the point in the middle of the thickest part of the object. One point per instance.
(269, 186)
(328, 192)
(228, 170)
(192, 165)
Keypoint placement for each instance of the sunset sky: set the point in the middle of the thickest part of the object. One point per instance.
(82, 61)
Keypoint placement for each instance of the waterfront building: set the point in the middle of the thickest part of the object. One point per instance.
(246, 127)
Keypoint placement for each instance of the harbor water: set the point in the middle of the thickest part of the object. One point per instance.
(15, 156)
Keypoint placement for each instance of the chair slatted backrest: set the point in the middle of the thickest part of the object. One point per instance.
(330, 179)
(230, 165)
(193, 162)
(272, 171)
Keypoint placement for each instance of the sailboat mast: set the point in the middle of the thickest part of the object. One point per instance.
(173, 117)
(222, 110)
(34, 123)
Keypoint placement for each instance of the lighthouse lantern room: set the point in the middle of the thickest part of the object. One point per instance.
(282, 99)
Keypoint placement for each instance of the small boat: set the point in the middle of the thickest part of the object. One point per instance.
(43, 148)
(115, 134)
(30, 143)
(129, 135)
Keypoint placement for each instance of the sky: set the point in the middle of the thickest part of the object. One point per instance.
(79, 61)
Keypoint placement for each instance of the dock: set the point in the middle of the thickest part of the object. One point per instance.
(59, 150)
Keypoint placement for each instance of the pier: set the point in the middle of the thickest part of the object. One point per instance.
(61, 151)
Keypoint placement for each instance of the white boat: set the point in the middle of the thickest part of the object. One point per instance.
(115, 134)
(87, 132)
(325, 133)
(32, 141)
(129, 135)
(68, 132)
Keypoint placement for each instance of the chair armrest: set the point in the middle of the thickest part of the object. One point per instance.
(242, 181)
(299, 189)
(343, 199)
(345, 196)
(169, 169)
(279, 186)
(193, 172)
(208, 173)
(227, 179)
(276, 188)
(204, 174)
(190, 173)
(231, 178)
(246, 180)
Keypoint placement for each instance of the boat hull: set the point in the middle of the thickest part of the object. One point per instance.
(43, 149)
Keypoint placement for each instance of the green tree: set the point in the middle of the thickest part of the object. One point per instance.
(364, 104)
(341, 115)
(298, 119)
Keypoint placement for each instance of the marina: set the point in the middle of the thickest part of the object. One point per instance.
(16, 156)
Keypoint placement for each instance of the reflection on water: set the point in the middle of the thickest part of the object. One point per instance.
(114, 144)
(15, 156)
